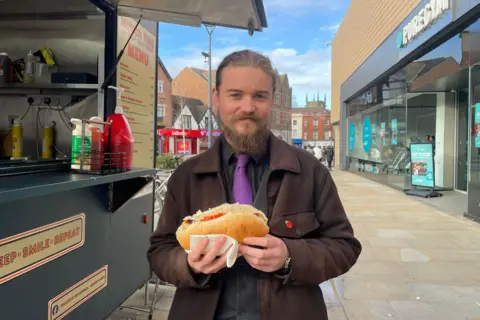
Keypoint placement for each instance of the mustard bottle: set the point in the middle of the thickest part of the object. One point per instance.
(47, 142)
(17, 139)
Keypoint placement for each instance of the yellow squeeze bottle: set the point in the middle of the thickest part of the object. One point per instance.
(47, 142)
(17, 139)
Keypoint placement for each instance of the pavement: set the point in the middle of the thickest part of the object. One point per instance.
(417, 261)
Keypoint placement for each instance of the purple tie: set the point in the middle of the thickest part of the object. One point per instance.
(242, 189)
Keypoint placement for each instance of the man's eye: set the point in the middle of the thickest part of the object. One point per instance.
(260, 97)
(236, 95)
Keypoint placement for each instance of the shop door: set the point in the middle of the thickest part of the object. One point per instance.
(194, 146)
(462, 131)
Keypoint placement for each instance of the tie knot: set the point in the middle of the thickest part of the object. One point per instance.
(242, 160)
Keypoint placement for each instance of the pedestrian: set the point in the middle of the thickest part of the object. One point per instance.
(311, 240)
(330, 155)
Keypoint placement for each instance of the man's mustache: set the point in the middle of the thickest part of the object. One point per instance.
(248, 117)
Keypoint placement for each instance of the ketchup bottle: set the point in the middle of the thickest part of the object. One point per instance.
(121, 140)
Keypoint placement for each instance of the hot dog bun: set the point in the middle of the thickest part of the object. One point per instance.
(238, 221)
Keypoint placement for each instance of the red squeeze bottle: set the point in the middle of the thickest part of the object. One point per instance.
(121, 140)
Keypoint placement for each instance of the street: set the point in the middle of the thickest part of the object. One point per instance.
(417, 262)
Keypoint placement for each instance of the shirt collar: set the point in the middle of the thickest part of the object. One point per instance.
(228, 154)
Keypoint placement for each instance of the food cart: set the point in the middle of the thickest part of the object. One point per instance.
(73, 245)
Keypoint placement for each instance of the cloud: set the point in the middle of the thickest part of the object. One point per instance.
(333, 28)
(278, 43)
(307, 72)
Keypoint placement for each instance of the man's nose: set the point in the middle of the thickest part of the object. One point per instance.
(248, 104)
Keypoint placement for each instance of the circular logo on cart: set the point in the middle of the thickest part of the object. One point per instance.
(351, 132)
(367, 134)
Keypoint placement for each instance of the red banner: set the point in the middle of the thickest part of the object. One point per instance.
(168, 132)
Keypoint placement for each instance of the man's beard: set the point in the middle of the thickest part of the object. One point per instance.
(255, 142)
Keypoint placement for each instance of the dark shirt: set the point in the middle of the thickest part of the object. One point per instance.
(239, 298)
(256, 168)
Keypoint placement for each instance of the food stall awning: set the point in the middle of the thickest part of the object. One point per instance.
(241, 14)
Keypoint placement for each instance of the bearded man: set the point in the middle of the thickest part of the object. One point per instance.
(311, 240)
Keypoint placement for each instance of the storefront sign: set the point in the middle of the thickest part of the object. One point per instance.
(374, 134)
(186, 133)
(422, 21)
(394, 140)
(477, 125)
(421, 156)
(70, 299)
(367, 134)
(26, 251)
(351, 136)
(297, 142)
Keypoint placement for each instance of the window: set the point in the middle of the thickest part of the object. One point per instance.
(305, 122)
(160, 86)
(315, 114)
(295, 132)
(294, 122)
(315, 135)
(315, 123)
(305, 137)
(186, 122)
(277, 98)
(160, 110)
(327, 134)
(327, 121)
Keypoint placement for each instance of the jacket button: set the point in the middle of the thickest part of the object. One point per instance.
(294, 279)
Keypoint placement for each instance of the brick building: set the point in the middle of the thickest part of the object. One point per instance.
(281, 115)
(164, 97)
(193, 83)
(366, 25)
(315, 123)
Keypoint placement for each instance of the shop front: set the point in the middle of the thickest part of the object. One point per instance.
(420, 90)
(177, 141)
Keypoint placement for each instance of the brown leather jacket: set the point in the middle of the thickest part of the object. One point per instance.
(300, 190)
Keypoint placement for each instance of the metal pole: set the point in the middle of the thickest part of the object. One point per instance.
(210, 113)
(210, 116)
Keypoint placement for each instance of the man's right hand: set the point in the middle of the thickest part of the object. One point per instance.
(208, 263)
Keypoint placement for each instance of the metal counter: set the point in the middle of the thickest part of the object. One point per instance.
(73, 245)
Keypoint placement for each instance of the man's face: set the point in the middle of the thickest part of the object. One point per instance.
(243, 103)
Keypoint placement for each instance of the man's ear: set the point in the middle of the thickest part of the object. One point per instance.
(215, 100)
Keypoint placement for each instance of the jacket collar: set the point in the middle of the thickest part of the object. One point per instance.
(282, 157)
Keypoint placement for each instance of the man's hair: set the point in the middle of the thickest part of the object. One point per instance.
(247, 58)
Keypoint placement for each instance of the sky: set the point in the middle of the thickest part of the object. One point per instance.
(295, 40)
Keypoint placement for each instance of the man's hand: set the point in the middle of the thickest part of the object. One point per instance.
(269, 259)
(208, 263)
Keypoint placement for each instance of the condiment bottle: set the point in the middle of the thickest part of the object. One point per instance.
(97, 151)
(17, 139)
(121, 138)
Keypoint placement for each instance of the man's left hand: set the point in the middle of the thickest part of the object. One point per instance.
(269, 259)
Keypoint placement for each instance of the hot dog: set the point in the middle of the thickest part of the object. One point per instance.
(238, 221)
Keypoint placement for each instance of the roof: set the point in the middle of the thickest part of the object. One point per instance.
(204, 74)
(307, 110)
(196, 107)
(160, 62)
